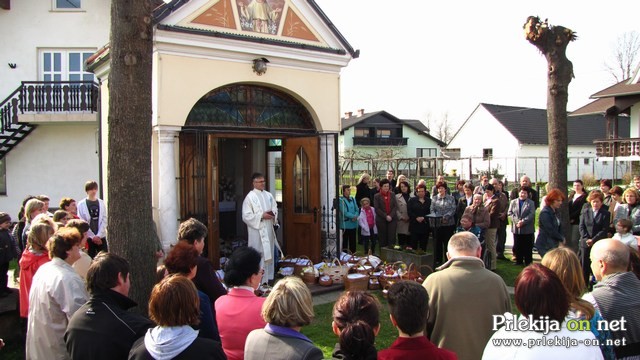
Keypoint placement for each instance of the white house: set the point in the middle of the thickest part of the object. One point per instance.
(235, 93)
(376, 141)
(48, 103)
(514, 140)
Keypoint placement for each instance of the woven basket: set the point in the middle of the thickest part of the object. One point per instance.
(303, 262)
(374, 283)
(309, 278)
(417, 273)
(325, 280)
(337, 272)
(365, 268)
(285, 262)
(356, 282)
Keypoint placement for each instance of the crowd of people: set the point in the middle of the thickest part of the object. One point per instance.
(387, 213)
(76, 302)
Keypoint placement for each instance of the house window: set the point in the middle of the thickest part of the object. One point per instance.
(427, 152)
(383, 133)
(362, 132)
(3, 177)
(64, 65)
(452, 153)
(67, 4)
(586, 161)
(487, 154)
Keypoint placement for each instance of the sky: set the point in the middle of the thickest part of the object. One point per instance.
(421, 58)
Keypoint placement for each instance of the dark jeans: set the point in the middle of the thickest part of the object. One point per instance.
(522, 248)
(501, 237)
(373, 239)
(94, 249)
(419, 241)
(441, 237)
(349, 239)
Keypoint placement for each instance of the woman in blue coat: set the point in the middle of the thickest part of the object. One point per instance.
(349, 212)
(550, 231)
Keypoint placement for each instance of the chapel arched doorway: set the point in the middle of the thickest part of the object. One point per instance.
(239, 129)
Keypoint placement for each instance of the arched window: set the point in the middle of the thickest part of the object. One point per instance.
(251, 107)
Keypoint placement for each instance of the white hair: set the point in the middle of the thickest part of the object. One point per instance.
(463, 243)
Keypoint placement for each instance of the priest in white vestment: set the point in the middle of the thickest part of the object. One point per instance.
(260, 213)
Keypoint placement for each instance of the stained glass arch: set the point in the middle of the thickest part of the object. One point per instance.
(251, 108)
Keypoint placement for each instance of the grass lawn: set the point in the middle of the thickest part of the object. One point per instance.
(508, 271)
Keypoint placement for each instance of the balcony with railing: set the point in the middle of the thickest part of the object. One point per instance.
(36, 102)
(617, 147)
(379, 141)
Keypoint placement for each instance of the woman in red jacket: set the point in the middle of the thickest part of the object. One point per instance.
(34, 256)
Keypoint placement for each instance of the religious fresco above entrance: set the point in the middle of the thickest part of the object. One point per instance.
(269, 18)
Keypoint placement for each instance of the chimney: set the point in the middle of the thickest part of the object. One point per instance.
(348, 114)
(360, 112)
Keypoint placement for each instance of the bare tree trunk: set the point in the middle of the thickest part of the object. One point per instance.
(129, 143)
(552, 43)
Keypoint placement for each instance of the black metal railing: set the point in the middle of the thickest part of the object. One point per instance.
(617, 147)
(48, 96)
(329, 233)
(9, 110)
(380, 141)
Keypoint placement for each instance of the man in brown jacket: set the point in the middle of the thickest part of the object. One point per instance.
(463, 297)
(501, 233)
(492, 204)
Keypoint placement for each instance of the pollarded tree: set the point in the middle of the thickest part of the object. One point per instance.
(129, 143)
(552, 42)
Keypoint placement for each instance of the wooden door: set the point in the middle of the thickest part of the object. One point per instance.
(199, 185)
(301, 188)
(213, 210)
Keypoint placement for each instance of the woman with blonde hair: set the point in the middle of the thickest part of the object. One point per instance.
(35, 255)
(362, 188)
(287, 309)
(565, 263)
(400, 179)
(32, 208)
(630, 209)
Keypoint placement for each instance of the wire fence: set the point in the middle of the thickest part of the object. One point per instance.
(509, 169)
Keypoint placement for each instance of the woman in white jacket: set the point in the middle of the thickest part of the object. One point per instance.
(367, 223)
